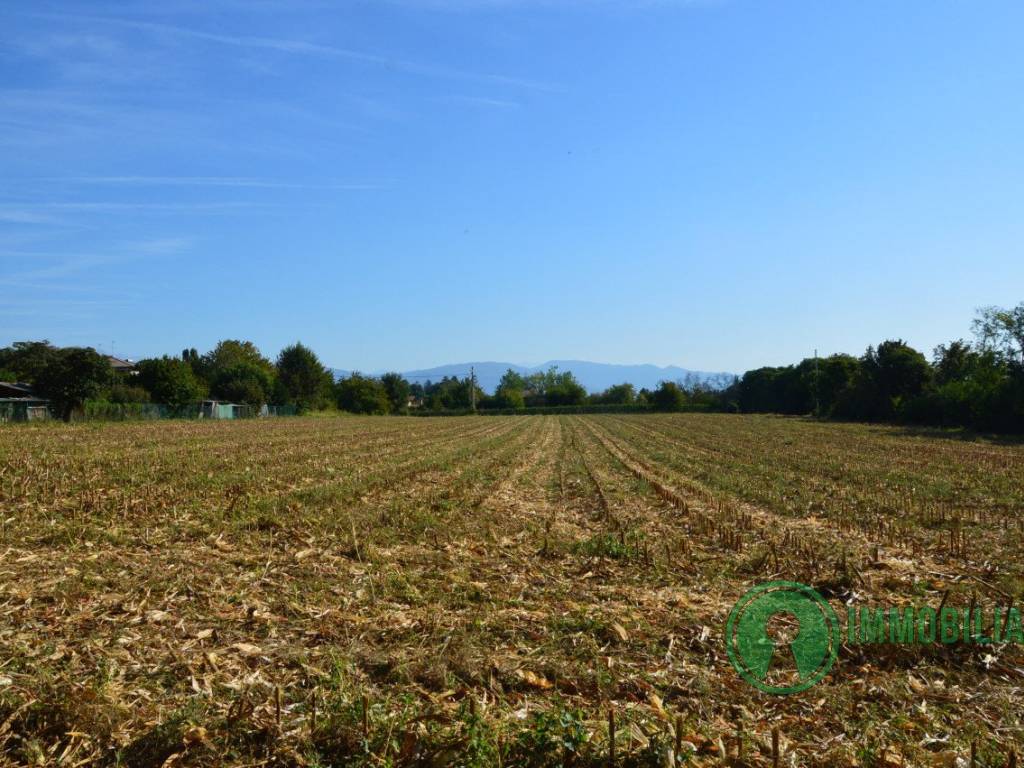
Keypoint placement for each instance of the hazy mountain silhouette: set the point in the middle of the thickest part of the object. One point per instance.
(595, 377)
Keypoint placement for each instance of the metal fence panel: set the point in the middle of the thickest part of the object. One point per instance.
(103, 411)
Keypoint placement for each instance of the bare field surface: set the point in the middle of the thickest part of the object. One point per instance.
(483, 591)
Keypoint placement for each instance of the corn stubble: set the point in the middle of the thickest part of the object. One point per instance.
(519, 591)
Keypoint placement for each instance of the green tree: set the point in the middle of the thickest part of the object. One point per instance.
(506, 398)
(617, 394)
(452, 393)
(231, 352)
(897, 371)
(510, 391)
(25, 360)
(706, 391)
(361, 394)
(170, 381)
(792, 389)
(398, 391)
(196, 361)
(953, 362)
(836, 374)
(511, 380)
(774, 390)
(1002, 330)
(566, 391)
(302, 378)
(669, 396)
(72, 376)
(552, 387)
(127, 393)
(243, 383)
(889, 377)
(237, 371)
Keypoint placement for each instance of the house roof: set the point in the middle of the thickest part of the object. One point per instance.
(119, 364)
(15, 389)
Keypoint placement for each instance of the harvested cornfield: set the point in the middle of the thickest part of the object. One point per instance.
(491, 591)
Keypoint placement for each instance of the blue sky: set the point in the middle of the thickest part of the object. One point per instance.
(717, 184)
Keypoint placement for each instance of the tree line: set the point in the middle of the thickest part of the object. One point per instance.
(977, 384)
(233, 371)
(236, 371)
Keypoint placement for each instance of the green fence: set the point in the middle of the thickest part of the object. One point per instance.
(104, 411)
(282, 410)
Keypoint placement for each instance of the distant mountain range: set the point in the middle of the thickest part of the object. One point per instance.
(595, 377)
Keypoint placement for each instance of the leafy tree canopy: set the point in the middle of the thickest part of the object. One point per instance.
(361, 394)
(452, 393)
(1002, 330)
(25, 360)
(617, 394)
(237, 371)
(170, 381)
(397, 390)
(72, 376)
(303, 379)
(232, 352)
(511, 380)
(553, 387)
(243, 382)
(669, 396)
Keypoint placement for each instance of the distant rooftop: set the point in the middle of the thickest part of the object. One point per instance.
(15, 389)
(120, 365)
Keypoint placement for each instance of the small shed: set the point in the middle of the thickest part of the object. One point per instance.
(19, 403)
(23, 409)
(218, 409)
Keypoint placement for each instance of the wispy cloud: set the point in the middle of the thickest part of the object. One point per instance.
(483, 101)
(61, 215)
(203, 7)
(294, 47)
(64, 266)
(33, 210)
(31, 121)
(64, 275)
(20, 216)
(63, 44)
(205, 181)
(499, 5)
(160, 246)
(63, 308)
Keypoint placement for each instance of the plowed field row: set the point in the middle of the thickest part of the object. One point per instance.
(471, 591)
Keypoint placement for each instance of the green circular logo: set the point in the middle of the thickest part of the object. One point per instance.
(760, 659)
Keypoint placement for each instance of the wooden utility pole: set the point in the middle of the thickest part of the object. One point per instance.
(817, 387)
(472, 387)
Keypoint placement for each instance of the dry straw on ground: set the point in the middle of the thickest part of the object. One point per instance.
(489, 591)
